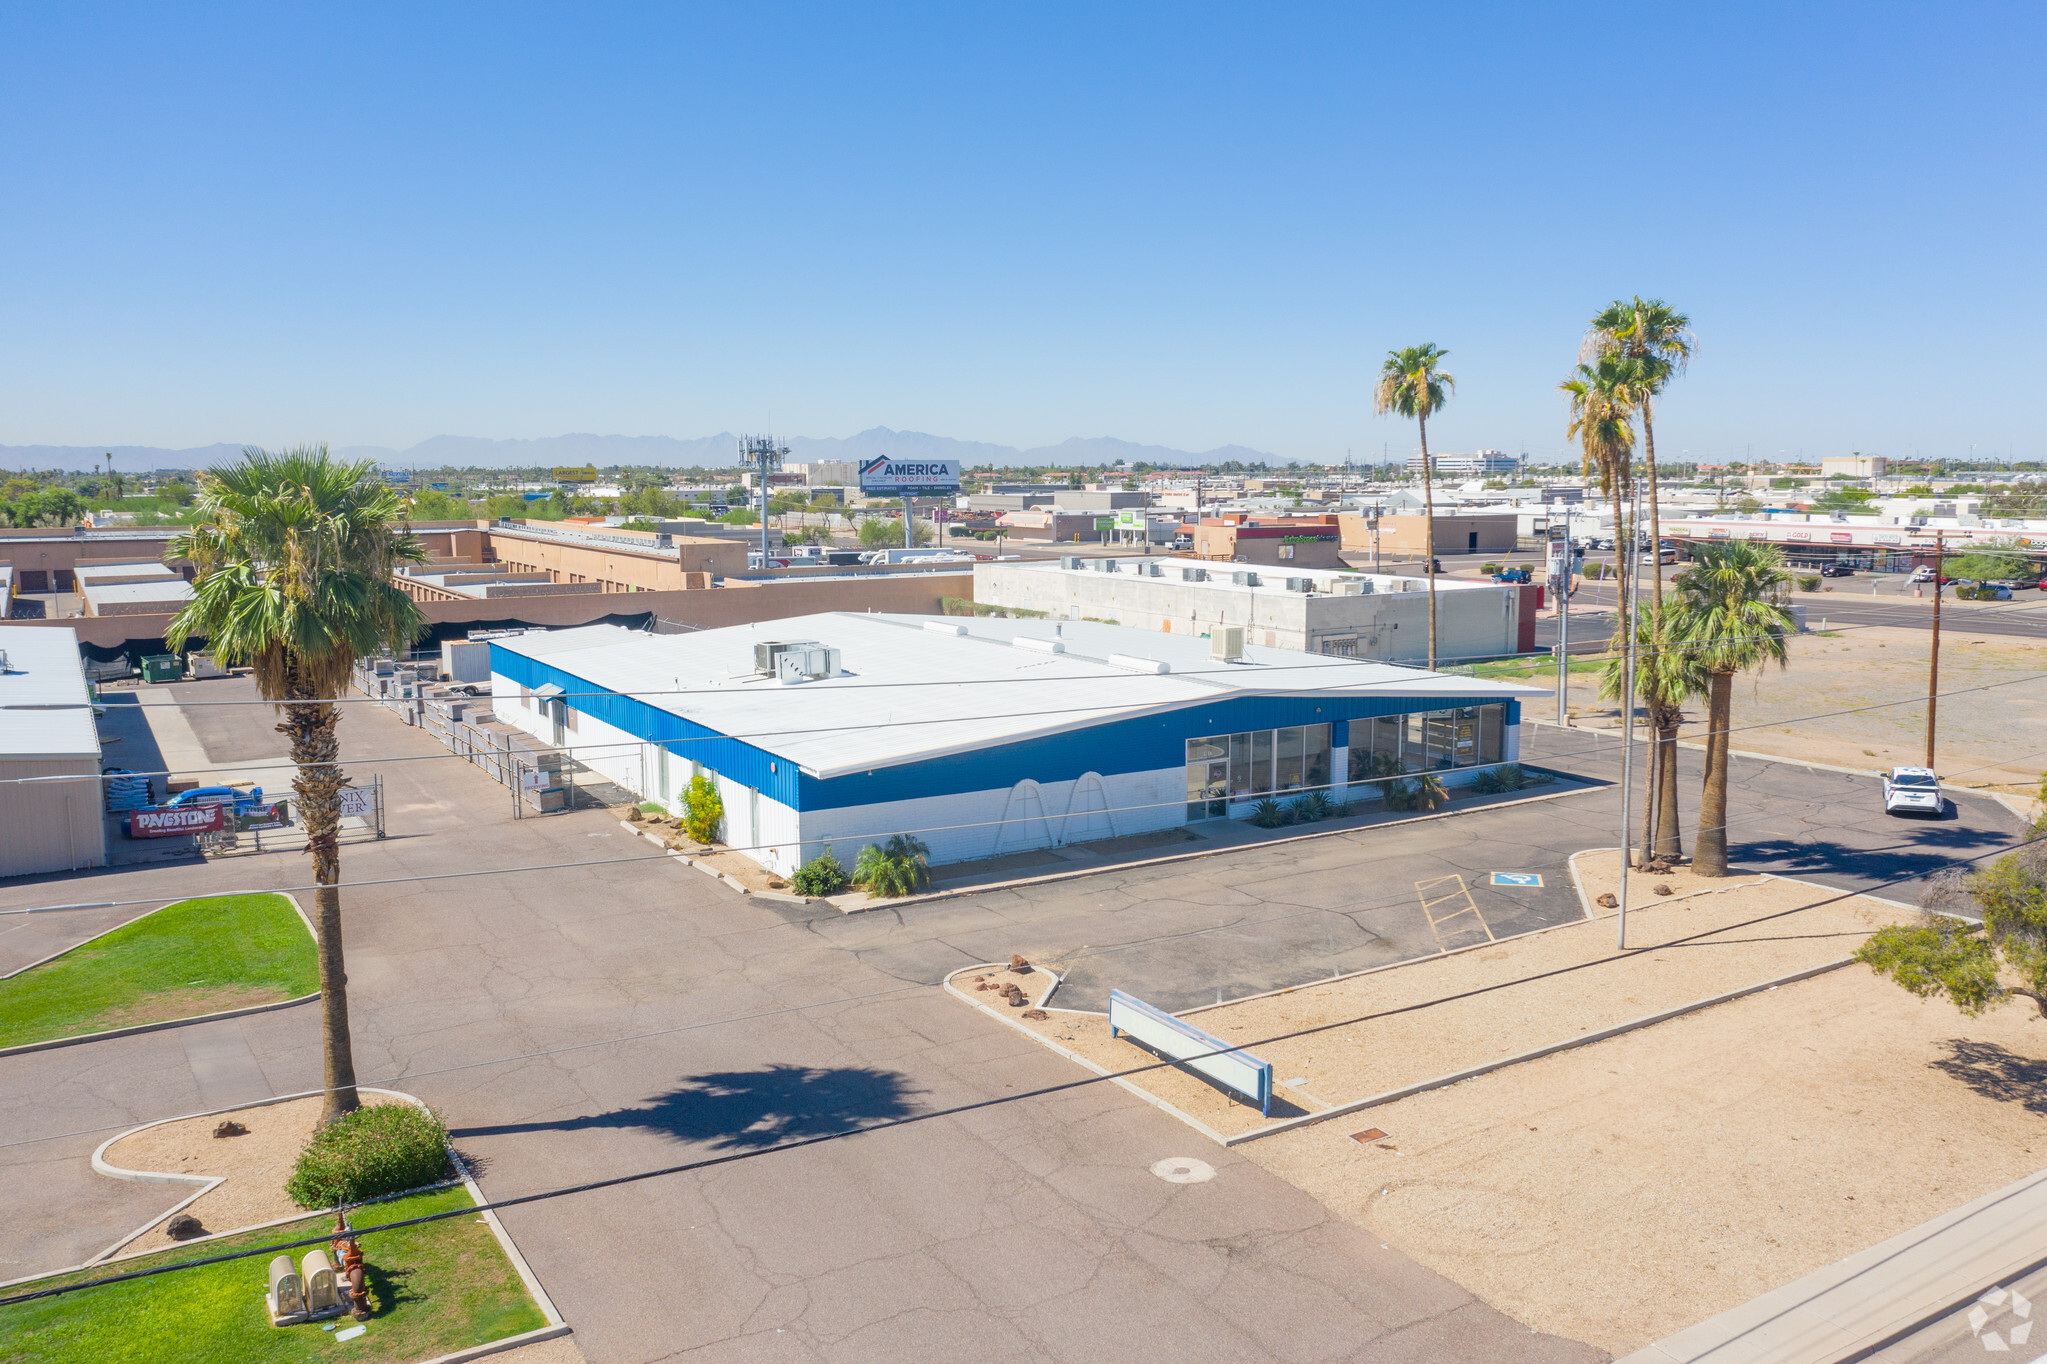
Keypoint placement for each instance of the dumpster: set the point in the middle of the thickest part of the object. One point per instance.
(162, 668)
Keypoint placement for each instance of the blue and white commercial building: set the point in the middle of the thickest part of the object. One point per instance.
(982, 736)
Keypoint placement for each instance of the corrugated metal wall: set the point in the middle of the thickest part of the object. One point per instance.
(51, 826)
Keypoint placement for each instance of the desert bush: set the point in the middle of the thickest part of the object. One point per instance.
(703, 809)
(1489, 568)
(1809, 582)
(1310, 808)
(1399, 795)
(894, 869)
(821, 875)
(1268, 814)
(384, 1148)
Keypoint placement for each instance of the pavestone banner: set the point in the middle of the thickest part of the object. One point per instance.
(170, 821)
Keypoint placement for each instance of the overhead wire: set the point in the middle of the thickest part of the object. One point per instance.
(886, 1125)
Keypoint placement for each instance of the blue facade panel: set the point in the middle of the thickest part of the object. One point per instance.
(772, 776)
(1141, 744)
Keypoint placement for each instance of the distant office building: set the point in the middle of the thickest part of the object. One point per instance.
(1479, 464)
(1854, 466)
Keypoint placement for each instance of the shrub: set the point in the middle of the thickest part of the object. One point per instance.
(899, 867)
(1428, 792)
(1310, 808)
(1489, 568)
(1809, 583)
(380, 1149)
(1399, 795)
(703, 809)
(1268, 814)
(821, 875)
(1505, 777)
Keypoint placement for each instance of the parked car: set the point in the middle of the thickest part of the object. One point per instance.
(1913, 791)
(1921, 574)
(244, 800)
(1992, 592)
(1836, 571)
(2011, 584)
(1511, 575)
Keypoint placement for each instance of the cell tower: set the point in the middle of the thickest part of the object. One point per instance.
(764, 457)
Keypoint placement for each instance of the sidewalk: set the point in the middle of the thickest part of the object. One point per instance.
(1866, 1300)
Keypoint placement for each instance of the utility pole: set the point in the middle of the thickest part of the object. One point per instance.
(1933, 669)
(1628, 734)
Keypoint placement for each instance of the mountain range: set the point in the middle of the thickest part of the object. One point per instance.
(665, 451)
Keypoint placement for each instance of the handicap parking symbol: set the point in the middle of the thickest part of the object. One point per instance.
(1518, 878)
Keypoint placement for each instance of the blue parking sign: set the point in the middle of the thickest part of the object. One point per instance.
(1518, 878)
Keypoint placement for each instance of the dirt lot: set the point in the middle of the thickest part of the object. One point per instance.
(1989, 738)
(1620, 1192)
(1370, 1033)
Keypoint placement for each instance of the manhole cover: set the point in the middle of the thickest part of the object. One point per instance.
(1183, 1170)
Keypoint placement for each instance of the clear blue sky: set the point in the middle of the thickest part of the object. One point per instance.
(1187, 225)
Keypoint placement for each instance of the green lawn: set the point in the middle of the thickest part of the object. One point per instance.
(1520, 670)
(193, 957)
(433, 1289)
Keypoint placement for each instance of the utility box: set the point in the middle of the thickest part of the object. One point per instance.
(465, 660)
(199, 666)
(162, 668)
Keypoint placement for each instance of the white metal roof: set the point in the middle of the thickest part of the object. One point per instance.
(1272, 578)
(172, 592)
(150, 571)
(43, 669)
(917, 687)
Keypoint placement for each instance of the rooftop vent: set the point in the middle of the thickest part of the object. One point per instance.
(1226, 642)
(1139, 665)
(1041, 646)
(944, 627)
(806, 662)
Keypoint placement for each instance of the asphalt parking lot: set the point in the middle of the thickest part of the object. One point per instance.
(584, 1021)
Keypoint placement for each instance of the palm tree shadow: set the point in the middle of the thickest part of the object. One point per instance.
(749, 1109)
(1996, 1072)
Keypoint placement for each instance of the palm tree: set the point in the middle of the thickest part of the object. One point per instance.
(1411, 384)
(1731, 622)
(1602, 396)
(295, 553)
(1665, 678)
(1659, 338)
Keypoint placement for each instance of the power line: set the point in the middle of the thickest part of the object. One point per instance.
(1106, 950)
(710, 1162)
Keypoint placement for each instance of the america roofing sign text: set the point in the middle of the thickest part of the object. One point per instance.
(912, 477)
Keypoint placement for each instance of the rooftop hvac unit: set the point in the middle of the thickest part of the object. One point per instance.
(1244, 578)
(1226, 642)
(1069, 561)
(1193, 575)
(1300, 584)
(766, 652)
(1152, 570)
(806, 663)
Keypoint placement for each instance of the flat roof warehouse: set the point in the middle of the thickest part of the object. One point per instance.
(982, 736)
(939, 668)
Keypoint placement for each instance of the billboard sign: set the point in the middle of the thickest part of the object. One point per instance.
(172, 820)
(274, 815)
(359, 802)
(586, 474)
(397, 476)
(885, 477)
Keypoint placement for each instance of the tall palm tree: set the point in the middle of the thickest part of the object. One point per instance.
(1659, 338)
(1665, 678)
(294, 553)
(1412, 383)
(1731, 622)
(1602, 396)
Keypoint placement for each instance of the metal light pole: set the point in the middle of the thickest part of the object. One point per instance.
(1628, 727)
(1564, 622)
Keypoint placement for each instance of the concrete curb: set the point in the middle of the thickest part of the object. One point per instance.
(138, 1029)
(1581, 786)
(1459, 1076)
(772, 896)
(1154, 1100)
(1593, 911)
(555, 1327)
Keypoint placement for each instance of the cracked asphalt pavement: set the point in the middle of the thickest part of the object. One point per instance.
(1030, 1228)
